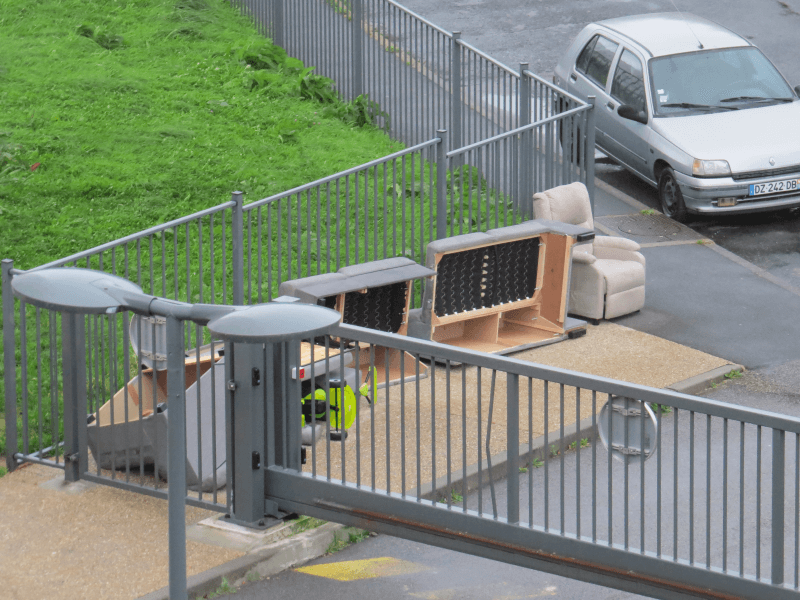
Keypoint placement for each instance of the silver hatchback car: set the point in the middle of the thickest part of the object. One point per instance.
(691, 108)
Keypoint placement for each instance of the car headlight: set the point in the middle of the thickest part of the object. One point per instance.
(710, 168)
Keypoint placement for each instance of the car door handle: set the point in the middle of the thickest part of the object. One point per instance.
(611, 105)
(573, 77)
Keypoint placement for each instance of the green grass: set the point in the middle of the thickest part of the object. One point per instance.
(346, 537)
(305, 523)
(136, 112)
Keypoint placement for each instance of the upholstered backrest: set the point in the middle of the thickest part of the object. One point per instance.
(565, 203)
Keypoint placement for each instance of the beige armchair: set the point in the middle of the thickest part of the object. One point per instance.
(608, 273)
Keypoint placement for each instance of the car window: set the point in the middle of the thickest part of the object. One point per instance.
(599, 54)
(628, 84)
(583, 58)
(716, 79)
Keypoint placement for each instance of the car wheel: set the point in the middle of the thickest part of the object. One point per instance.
(670, 196)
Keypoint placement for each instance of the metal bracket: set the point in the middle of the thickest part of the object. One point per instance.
(153, 355)
(626, 412)
(232, 385)
(626, 450)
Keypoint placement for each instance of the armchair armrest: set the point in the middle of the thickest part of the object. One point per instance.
(584, 258)
(607, 241)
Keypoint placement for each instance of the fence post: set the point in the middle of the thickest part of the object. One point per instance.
(176, 465)
(526, 149)
(778, 476)
(512, 428)
(441, 185)
(10, 366)
(237, 232)
(588, 151)
(358, 53)
(456, 140)
(278, 37)
(73, 335)
(247, 432)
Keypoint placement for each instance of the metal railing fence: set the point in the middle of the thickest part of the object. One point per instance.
(423, 77)
(482, 453)
(716, 508)
(236, 254)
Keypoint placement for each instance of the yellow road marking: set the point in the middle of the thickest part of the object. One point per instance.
(353, 570)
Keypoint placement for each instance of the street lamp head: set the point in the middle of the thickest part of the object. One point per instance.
(75, 290)
(274, 322)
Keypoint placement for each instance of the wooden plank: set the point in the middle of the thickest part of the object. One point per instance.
(319, 353)
(555, 276)
(482, 312)
(484, 330)
(509, 337)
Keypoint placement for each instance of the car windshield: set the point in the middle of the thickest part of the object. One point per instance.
(715, 80)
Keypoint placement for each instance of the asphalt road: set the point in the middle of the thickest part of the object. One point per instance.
(537, 32)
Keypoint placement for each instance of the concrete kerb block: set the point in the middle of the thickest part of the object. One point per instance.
(699, 383)
(264, 561)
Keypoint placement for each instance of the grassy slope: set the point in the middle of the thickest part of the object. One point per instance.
(140, 111)
(163, 124)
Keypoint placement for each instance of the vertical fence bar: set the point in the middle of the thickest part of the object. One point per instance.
(177, 460)
(512, 429)
(441, 185)
(278, 30)
(778, 513)
(526, 150)
(589, 149)
(74, 379)
(10, 366)
(237, 235)
(456, 135)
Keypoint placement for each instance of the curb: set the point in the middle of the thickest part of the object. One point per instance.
(265, 562)
(698, 383)
(287, 553)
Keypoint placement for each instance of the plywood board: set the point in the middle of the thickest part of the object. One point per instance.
(556, 270)
(319, 353)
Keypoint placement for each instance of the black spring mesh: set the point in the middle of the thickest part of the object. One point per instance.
(485, 277)
(517, 264)
(464, 281)
(379, 308)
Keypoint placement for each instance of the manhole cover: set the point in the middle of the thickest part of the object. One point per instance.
(648, 228)
(647, 225)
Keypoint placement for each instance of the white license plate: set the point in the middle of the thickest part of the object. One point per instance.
(774, 187)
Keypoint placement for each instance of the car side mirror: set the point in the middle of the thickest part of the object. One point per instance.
(797, 89)
(626, 111)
